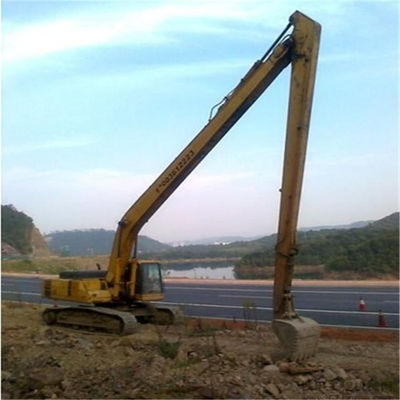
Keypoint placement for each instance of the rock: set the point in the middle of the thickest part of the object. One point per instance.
(295, 369)
(263, 359)
(220, 379)
(341, 373)
(364, 376)
(193, 381)
(272, 389)
(47, 332)
(271, 369)
(84, 344)
(236, 380)
(330, 375)
(278, 354)
(206, 393)
(235, 393)
(302, 379)
(282, 386)
(192, 355)
(65, 384)
(350, 385)
(132, 393)
(158, 363)
(358, 384)
(34, 395)
(46, 376)
(284, 366)
(128, 351)
(48, 392)
(5, 375)
(312, 385)
(290, 391)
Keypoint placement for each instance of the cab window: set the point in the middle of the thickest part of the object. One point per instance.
(149, 278)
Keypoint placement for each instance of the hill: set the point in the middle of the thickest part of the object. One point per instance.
(19, 236)
(234, 239)
(357, 224)
(369, 251)
(94, 242)
(389, 223)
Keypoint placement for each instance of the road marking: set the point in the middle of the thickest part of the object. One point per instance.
(294, 291)
(270, 309)
(344, 292)
(244, 297)
(15, 286)
(34, 279)
(27, 293)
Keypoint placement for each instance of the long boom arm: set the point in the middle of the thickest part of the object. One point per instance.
(306, 46)
(256, 81)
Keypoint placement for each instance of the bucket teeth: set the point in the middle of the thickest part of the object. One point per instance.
(298, 336)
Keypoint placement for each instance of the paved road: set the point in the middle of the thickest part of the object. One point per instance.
(328, 305)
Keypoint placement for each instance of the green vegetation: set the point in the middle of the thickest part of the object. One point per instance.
(16, 229)
(249, 309)
(370, 251)
(388, 385)
(168, 349)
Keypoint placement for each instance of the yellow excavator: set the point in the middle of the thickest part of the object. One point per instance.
(116, 299)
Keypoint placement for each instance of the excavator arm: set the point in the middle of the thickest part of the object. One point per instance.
(299, 49)
(299, 335)
(304, 64)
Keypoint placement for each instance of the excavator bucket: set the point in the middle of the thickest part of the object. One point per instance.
(298, 336)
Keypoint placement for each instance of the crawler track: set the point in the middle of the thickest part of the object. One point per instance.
(116, 321)
(92, 318)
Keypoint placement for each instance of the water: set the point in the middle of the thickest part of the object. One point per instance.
(199, 272)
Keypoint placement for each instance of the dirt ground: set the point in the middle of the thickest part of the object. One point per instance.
(191, 360)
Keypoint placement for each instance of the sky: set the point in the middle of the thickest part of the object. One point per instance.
(98, 97)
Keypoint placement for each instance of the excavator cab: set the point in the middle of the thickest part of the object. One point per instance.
(148, 285)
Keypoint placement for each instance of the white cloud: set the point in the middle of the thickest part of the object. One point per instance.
(48, 145)
(140, 26)
(146, 22)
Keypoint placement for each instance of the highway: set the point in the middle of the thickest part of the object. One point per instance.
(328, 305)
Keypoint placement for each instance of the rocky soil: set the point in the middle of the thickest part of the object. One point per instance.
(191, 360)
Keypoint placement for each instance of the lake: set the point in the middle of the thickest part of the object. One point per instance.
(199, 269)
(200, 273)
